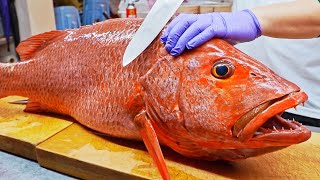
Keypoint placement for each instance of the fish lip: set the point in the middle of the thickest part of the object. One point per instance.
(273, 112)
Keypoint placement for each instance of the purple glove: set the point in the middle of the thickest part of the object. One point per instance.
(192, 30)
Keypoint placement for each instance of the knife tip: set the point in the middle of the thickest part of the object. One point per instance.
(128, 58)
(125, 60)
(124, 63)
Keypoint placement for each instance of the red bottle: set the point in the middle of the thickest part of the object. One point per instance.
(131, 10)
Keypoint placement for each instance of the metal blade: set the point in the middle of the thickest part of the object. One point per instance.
(21, 102)
(152, 25)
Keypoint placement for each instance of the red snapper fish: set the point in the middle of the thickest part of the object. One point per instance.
(213, 102)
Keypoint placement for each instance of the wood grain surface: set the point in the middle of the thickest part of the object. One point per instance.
(20, 132)
(72, 149)
(84, 154)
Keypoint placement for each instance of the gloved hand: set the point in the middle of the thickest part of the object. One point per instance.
(192, 30)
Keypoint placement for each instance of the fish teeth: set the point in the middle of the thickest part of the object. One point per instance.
(282, 128)
(258, 133)
(291, 129)
(274, 128)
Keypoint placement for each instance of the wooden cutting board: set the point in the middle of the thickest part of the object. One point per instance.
(84, 154)
(21, 132)
(72, 149)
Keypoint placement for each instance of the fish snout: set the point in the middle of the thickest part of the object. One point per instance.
(264, 122)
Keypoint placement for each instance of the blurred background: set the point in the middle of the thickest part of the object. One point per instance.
(21, 19)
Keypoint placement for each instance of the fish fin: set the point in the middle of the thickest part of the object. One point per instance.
(34, 107)
(29, 46)
(150, 139)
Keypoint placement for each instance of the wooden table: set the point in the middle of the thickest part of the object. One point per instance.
(60, 144)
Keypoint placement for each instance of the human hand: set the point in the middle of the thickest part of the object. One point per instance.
(192, 30)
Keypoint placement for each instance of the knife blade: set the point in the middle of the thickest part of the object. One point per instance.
(158, 17)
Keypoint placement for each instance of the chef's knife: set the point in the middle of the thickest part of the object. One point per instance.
(158, 17)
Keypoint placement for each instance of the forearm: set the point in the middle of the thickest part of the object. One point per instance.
(297, 19)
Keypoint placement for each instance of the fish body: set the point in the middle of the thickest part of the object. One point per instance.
(78, 73)
(213, 102)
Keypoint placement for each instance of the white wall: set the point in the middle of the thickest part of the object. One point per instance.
(35, 17)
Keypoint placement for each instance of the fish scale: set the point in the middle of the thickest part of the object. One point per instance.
(83, 83)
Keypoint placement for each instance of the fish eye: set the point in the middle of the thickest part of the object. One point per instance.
(222, 69)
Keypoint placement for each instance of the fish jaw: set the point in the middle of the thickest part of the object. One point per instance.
(268, 125)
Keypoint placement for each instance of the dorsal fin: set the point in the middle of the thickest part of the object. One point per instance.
(27, 47)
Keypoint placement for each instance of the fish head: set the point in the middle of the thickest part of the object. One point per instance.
(215, 102)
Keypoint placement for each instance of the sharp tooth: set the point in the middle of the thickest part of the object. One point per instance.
(258, 133)
(282, 128)
(274, 128)
(293, 120)
(290, 129)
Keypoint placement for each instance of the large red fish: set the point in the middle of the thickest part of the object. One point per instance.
(213, 102)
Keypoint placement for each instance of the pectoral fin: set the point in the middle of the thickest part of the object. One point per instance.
(35, 107)
(150, 139)
(31, 106)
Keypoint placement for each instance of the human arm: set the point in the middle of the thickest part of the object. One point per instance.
(298, 19)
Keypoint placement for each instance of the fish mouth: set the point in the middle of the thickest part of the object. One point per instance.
(264, 123)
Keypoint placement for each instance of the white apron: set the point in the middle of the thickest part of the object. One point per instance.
(295, 60)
